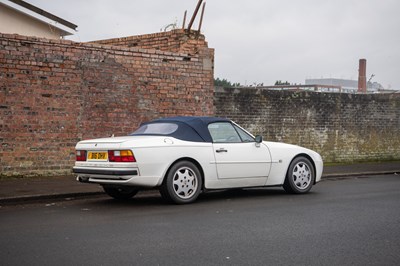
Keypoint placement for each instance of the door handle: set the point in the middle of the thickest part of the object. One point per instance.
(221, 150)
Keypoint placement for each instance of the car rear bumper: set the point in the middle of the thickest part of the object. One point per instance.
(119, 172)
(115, 176)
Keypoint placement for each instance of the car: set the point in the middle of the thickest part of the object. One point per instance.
(186, 155)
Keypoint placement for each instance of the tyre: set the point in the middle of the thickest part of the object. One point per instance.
(300, 176)
(121, 192)
(182, 184)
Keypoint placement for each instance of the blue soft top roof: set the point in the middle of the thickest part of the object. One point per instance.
(191, 128)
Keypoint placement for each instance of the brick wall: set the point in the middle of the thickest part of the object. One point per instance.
(54, 93)
(342, 127)
(178, 40)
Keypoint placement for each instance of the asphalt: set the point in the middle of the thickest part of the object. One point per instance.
(56, 188)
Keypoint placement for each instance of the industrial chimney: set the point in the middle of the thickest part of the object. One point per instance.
(362, 76)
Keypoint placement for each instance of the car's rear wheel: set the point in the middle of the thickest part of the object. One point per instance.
(300, 176)
(182, 184)
(121, 192)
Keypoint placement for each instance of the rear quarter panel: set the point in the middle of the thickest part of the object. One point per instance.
(155, 159)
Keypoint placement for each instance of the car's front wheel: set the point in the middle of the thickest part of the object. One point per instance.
(121, 192)
(300, 176)
(182, 184)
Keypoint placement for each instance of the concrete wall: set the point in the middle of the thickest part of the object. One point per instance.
(54, 93)
(342, 127)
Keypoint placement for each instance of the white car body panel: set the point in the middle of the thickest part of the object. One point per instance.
(155, 154)
(282, 155)
(238, 160)
(246, 164)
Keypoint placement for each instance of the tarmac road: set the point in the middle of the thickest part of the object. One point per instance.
(352, 221)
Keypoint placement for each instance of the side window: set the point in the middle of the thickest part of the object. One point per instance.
(243, 135)
(223, 132)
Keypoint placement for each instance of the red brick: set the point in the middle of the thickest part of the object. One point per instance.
(59, 92)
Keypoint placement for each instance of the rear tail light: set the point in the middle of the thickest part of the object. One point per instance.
(121, 156)
(80, 155)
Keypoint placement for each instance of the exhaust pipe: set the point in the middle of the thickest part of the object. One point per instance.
(83, 179)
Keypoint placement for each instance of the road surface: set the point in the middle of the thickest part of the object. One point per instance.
(351, 221)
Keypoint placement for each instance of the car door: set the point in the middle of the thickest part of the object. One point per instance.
(237, 155)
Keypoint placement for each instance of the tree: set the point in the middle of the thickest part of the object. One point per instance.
(279, 82)
(225, 83)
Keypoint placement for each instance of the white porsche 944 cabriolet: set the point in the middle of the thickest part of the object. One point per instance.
(183, 156)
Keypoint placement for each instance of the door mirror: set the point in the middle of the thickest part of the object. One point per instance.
(258, 139)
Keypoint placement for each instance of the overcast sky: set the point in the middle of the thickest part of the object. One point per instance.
(261, 41)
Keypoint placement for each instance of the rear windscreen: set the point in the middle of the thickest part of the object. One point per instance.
(156, 129)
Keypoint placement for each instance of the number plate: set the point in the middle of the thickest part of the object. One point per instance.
(97, 156)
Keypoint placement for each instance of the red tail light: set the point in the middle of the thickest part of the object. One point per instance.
(80, 155)
(121, 156)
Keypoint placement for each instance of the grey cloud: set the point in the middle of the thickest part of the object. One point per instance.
(262, 41)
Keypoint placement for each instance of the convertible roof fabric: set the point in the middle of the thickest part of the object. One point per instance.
(190, 128)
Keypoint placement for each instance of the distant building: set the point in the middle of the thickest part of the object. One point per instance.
(347, 85)
(20, 17)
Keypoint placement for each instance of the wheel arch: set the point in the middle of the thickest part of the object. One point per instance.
(309, 158)
(189, 159)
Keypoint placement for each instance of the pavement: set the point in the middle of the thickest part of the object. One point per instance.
(58, 188)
